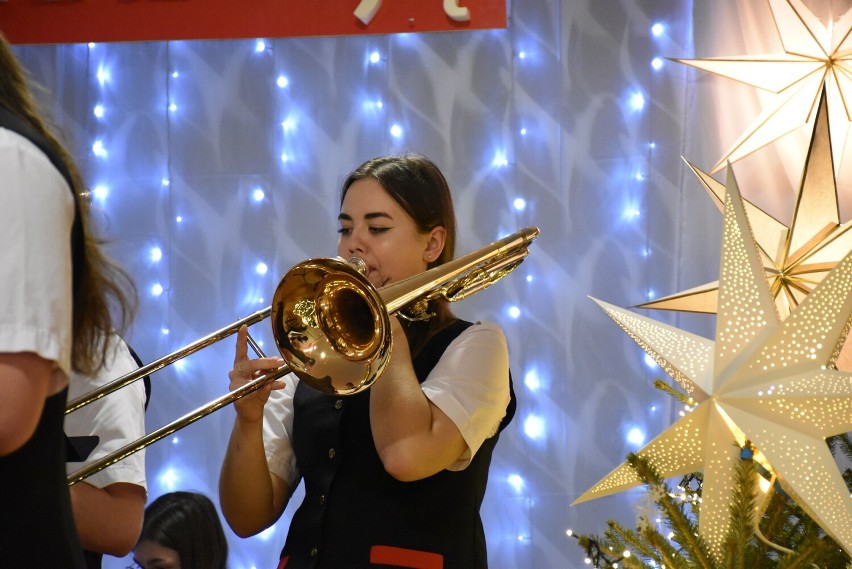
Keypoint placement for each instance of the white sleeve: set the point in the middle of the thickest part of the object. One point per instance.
(277, 430)
(470, 383)
(36, 214)
(117, 419)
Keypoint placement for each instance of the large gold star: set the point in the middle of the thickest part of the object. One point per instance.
(815, 57)
(762, 380)
(797, 257)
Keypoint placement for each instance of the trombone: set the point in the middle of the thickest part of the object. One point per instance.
(331, 326)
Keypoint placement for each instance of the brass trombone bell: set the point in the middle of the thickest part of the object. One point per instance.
(331, 326)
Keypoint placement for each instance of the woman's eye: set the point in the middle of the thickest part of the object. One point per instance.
(345, 230)
(378, 229)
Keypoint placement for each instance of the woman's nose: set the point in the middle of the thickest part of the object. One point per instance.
(356, 243)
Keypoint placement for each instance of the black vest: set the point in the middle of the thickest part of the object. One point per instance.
(36, 523)
(353, 509)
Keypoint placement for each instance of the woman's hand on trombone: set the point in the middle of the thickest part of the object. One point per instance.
(250, 407)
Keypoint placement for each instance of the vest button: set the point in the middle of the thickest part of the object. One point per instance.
(338, 404)
(322, 499)
(331, 453)
(314, 552)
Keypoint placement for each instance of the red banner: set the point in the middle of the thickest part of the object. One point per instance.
(73, 21)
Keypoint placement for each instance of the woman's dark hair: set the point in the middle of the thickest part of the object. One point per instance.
(100, 285)
(188, 523)
(418, 186)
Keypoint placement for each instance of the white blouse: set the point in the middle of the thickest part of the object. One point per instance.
(469, 383)
(36, 215)
(116, 419)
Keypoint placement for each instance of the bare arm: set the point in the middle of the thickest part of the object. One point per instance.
(413, 437)
(25, 381)
(251, 497)
(108, 519)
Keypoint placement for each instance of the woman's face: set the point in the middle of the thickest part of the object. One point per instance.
(376, 228)
(151, 555)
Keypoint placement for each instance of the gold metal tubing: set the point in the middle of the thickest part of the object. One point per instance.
(175, 425)
(168, 359)
(502, 255)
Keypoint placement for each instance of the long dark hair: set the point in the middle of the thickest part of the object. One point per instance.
(188, 523)
(100, 285)
(418, 186)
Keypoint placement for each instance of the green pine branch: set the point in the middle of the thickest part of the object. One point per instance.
(635, 541)
(674, 392)
(791, 540)
(671, 558)
(619, 545)
(782, 537)
(742, 513)
(685, 531)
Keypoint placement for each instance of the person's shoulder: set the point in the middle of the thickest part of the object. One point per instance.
(27, 161)
(485, 326)
(484, 329)
(12, 140)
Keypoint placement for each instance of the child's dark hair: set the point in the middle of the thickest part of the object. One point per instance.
(188, 523)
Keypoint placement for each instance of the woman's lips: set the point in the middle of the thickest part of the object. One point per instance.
(376, 279)
(373, 276)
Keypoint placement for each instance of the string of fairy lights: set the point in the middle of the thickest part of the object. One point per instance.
(597, 555)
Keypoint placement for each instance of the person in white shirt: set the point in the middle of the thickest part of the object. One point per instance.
(56, 292)
(394, 476)
(109, 505)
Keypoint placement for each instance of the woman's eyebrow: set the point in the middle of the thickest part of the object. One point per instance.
(373, 215)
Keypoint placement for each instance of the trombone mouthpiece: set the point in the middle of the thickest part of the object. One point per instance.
(358, 264)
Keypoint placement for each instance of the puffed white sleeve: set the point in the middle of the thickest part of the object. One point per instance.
(470, 384)
(116, 419)
(277, 432)
(36, 215)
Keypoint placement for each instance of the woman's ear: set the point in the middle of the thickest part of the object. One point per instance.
(435, 244)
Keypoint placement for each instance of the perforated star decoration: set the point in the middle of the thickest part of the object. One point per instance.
(763, 380)
(815, 56)
(795, 257)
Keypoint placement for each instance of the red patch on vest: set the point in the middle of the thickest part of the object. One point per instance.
(401, 557)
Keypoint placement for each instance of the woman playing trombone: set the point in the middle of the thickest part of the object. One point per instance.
(394, 475)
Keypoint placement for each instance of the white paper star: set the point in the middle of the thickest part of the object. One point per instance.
(795, 257)
(763, 380)
(815, 56)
